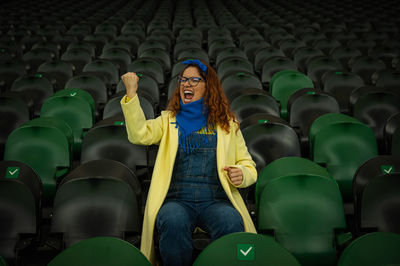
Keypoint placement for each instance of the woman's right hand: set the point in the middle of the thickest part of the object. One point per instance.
(130, 81)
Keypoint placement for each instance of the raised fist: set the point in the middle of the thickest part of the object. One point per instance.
(130, 81)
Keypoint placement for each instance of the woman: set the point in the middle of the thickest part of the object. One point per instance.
(201, 161)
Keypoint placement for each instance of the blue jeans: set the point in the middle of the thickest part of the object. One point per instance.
(177, 220)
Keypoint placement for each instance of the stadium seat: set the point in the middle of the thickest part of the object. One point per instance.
(108, 140)
(284, 83)
(286, 166)
(45, 144)
(236, 82)
(185, 45)
(148, 67)
(379, 248)
(98, 198)
(319, 65)
(20, 198)
(274, 65)
(58, 72)
(82, 45)
(386, 79)
(371, 169)
(306, 105)
(254, 102)
(265, 54)
(342, 144)
(13, 113)
(104, 69)
(373, 106)
(245, 248)
(290, 45)
(232, 65)
(93, 85)
(160, 55)
(278, 136)
(76, 108)
(119, 57)
(217, 46)
(9, 72)
(100, 251)
(380, 204)
(305, 214)
(365, 66)
(340, 84)
(35, 57)
(302, 54)
(343, 54)
(193, 53)
(230, 52)
(392, 135)
(113, 106)
(36, 87)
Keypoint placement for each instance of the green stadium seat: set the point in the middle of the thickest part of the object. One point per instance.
(100, 251)
(342, 144)
(303, 212)
(379, 248)
(45, 144)
(245, 249)
(76, 108)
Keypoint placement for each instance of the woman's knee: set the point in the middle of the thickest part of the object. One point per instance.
(173, 216)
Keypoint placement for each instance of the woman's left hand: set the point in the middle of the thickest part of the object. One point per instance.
(235, 175)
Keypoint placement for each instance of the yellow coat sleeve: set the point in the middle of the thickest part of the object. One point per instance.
(243, 161)
(140, 131)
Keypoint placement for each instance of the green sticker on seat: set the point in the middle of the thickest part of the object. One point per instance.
(245, 251)
(38, 75)
(12, 172)
(263, 121)
(387, 169)
(311, 92)
(119, 123)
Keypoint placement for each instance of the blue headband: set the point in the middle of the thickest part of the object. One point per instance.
(196, 62)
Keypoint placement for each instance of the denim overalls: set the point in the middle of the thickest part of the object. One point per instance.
(195, 198)
(195, 177)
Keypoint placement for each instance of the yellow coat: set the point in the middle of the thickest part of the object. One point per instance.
(231, 151)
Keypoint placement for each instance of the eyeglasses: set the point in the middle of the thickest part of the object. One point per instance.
(193, 81)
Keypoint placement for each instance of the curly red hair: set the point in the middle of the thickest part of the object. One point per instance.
(219, 112)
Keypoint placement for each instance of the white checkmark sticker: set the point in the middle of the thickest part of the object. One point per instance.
(388, 170)
(12, 173)
(247, 252)
(73, 94)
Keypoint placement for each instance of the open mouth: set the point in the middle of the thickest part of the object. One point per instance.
(188, 95)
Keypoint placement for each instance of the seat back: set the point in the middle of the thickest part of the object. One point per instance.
(285, 84)
(98, 198)
(303, 211)
(380, 204)
(287, 166)
(108, 250)
(342, 143)
(374, 167)
(44, 144)
(379, 248)
(245, 248)
(373, 106)
(20, 198)
(268, 141)
(76, 108)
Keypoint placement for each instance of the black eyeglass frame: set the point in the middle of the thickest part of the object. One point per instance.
(193, 81)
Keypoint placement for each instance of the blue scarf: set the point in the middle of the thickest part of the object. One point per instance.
(192, 117)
